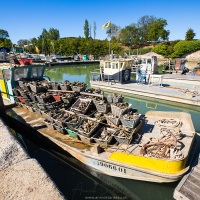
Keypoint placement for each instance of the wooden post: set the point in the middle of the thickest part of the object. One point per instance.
(2, 110)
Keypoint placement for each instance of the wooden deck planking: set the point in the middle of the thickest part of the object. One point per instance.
(189, 186)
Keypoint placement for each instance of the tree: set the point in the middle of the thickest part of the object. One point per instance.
(114, 31)
(157, 31)
(4, 34)
(95, 28)
(44, 40)
(54, 34)
(143, 26)
(22, 42)
(129, 35)
(86, 29)
(189, 34)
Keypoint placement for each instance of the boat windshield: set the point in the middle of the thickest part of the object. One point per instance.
(20, 73)
(37, 72)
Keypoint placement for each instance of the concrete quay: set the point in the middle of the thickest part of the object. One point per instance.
(182, 94)
(22, 177)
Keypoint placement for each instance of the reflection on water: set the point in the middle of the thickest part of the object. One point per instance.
(77, 181)
(71, 73)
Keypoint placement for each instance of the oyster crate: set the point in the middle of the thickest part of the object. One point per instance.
(50, 115)
(109, 99)
(37, 89)
(76, 106)
(107, 139)
(61, 122)
(102, 107)
(117, 99)
(22, 83)
(67, 99)
(16, 99)
(43, 99)
(60, 129)
(129, 122)
(33, 97)
(78, 88)
(55, 85)
(112, 120)
(73, 124)
(49, 124)
(16, 92)
(123, 139)
(65, 87)
(41, 106)
(117, 111)
(92, 131)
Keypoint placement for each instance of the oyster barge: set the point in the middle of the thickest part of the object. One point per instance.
(159, 149)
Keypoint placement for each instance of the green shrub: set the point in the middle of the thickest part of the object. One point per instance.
(184, 47)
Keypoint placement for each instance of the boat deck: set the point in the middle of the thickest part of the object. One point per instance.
(149, 131)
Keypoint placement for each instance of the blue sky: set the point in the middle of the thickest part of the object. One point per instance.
(25, 19)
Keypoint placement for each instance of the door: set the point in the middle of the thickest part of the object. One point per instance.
(7, 79)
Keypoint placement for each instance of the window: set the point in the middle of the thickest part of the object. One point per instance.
(113, 65)
(37, 72)
(20, 73)
(7, 74)
(116, 65)
(143, 61)
(148, 61)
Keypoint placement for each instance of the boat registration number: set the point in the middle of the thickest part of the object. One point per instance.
(112, 167)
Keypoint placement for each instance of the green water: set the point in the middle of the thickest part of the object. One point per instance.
(75, 183)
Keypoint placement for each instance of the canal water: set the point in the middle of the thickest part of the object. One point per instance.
(77, 181)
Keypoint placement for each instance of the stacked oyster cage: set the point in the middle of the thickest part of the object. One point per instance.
(85, 114)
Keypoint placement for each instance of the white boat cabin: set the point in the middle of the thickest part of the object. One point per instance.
(118, 70)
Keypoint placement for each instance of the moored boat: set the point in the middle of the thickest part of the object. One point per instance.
(155, 147)
(25, 61)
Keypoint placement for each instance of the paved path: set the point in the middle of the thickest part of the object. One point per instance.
(20, 176)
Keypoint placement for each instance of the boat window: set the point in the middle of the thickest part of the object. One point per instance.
(143, 61)
(37, 72)
(7, 74)
(107, 65)
(148, 61)
(113, 65)
(121, 64)
(20, 73)
(116, 65)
